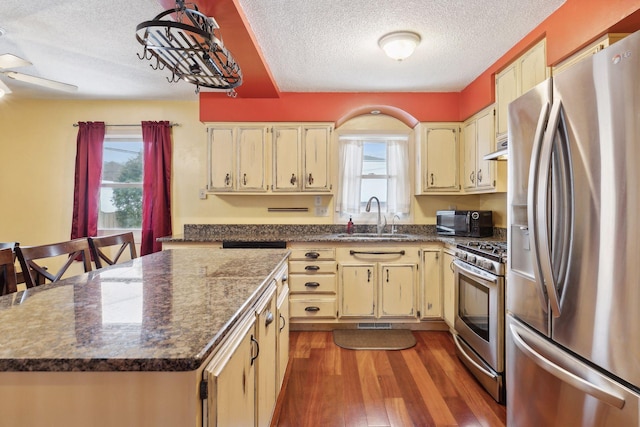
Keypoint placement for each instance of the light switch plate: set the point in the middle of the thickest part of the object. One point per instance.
(318, 201)
(202, 194)
(322, 211)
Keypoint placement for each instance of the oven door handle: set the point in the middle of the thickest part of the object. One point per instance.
(463, 267)
(473, 362)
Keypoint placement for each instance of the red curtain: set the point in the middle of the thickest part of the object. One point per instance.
(156, 193)
(86, 202)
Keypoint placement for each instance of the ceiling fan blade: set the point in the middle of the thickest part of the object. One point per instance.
(4, 89)
(51, 84)
(8, 60)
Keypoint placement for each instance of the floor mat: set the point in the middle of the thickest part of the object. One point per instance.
(374, 339)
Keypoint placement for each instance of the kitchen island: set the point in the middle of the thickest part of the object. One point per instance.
(127, 344)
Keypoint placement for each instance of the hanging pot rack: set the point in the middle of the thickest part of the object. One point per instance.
(184, 41)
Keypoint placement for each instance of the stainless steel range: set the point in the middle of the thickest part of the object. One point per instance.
(479, 321)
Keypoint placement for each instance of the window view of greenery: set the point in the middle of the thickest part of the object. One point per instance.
(374, 172)
(121, 188)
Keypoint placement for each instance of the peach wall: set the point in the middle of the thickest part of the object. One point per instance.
(575, 24)
(572, 26)
(326, 106)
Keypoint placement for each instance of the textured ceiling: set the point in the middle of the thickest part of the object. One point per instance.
(332, 45)
(308, 46)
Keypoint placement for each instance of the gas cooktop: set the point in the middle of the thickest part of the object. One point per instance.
(495, 251)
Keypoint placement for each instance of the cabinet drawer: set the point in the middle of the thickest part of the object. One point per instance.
(303, 283)
(312, 308)
(312, 267)
(312, 254)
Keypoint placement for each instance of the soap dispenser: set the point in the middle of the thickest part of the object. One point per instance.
(350, 226)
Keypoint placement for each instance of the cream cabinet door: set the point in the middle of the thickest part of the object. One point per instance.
(316, 143)
(231, 380)
(397, 290)
(470, 148)
(440, 152)
(283, 336)
(485, 144)
(251, 147)
(431, 284)
(222, 159)
(448, 289)
(286, 158)
(357, 290)
(506, 91)
(533, 67)
(479, 140)
(266, 331)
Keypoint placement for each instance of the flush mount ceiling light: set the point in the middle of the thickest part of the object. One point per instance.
(188, 43)
(399, 45)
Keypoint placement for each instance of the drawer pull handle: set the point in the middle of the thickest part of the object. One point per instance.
(352, 252)
(312, 268)
(312, 284)
(284, 322)
(312, 309)
(254, 341)
(314, 255)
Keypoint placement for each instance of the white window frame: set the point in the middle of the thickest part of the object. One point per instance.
(364, 217)
(122, 135)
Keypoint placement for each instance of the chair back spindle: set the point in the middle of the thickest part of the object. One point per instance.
(123, 241)
(31, 259)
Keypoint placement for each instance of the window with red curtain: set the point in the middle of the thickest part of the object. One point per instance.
(87, 179)
(156, 197)
(156, 193)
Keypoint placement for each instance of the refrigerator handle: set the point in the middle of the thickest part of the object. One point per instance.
(541, 206)
(534, 171)
(601, 393)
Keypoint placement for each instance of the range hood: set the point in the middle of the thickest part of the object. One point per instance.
(502, 153)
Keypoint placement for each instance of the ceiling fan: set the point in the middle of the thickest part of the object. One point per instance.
(9, 61)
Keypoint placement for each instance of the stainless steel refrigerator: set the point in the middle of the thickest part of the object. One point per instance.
(573, 281)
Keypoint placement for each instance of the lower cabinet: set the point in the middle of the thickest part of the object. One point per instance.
(266, 358)
(431, 295)
(231, 378)
(377, 284)
(312, 283)
(283, 335)
(448, 287)
(244, 377)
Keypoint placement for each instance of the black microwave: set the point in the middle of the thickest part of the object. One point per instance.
(465, 223)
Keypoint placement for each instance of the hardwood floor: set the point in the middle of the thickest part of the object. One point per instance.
(426, 385)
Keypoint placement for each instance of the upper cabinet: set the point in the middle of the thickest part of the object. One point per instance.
(595, 47)
(251, 158)
(438, 158)
(294, 156)
(316, 142)
(517, 78)
(236, 158)
(479, 140)
(286, 158)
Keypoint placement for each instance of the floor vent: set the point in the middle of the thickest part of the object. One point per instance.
(374, 325)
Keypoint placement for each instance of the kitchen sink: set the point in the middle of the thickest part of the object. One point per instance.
(373, 235)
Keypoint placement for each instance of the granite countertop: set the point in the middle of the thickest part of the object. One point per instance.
(316, 233)
(161, 312)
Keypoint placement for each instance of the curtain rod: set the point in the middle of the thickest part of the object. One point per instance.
(75, 125)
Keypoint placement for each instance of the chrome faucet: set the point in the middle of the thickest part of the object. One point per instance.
(393, 224)
(379, 225)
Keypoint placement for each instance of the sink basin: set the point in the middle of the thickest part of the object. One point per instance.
(373, 235)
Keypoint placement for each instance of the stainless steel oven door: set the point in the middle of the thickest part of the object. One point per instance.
(479, 307)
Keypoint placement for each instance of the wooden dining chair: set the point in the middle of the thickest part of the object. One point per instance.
(123, 242)
(8, 271)
(30, 258)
